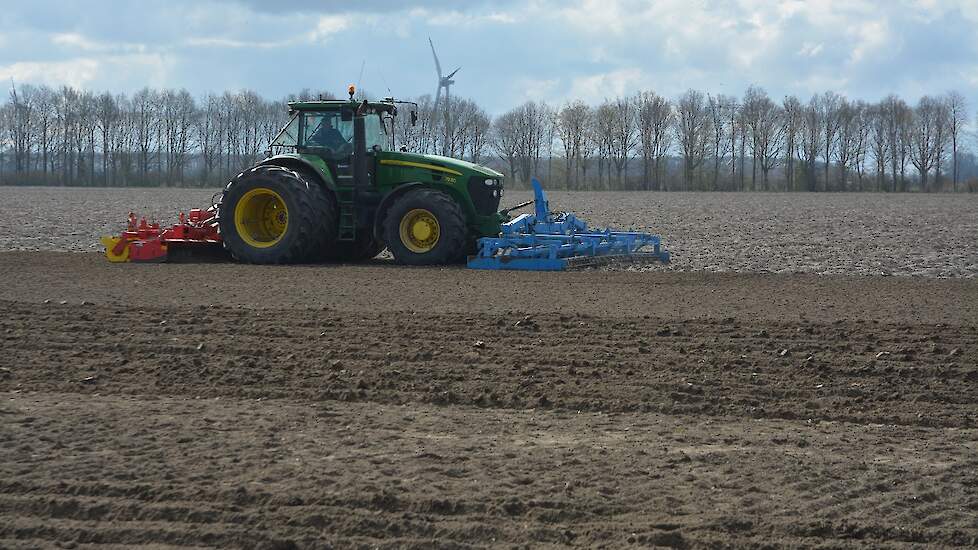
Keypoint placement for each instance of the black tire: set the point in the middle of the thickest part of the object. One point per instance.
(470, 249)
(364, 248)
(311, 215)
(451, 222)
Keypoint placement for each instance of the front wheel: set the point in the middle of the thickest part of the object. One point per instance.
(425, 227)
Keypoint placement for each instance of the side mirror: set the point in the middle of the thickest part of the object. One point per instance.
(414, 118)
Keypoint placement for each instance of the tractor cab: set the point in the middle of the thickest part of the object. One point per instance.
(328, 128)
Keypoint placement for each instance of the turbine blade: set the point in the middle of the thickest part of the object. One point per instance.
(453, 72)
(433, 54)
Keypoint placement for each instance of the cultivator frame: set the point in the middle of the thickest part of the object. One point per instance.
(148, 242)
(547, 241)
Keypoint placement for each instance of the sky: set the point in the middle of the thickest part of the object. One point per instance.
(509, 51)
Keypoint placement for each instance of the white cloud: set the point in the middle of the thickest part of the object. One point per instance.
(870, 37)
(214, 42)
(599, 86)
(326, 26)
(810, 49)
(91, 72)
(533, 49)
(76, 41)
(537, 89)
(76, 72)
(455, 18)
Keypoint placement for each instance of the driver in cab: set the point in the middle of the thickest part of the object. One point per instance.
(327, 136)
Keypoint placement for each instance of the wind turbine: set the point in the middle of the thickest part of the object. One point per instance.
(443, 82)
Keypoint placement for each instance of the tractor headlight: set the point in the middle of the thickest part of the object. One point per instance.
(490, 183)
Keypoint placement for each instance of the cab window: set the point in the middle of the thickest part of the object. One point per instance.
(376, 133)
(327, 130)
(289, 136)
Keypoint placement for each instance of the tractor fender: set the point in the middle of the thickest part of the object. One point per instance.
(399, 191)
(304, 167)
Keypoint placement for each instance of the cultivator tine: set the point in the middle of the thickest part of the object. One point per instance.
(545, 241)
(147, 242)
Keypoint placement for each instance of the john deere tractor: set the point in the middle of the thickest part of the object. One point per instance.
(334, 188)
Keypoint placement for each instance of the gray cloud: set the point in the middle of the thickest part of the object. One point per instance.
(509, 51)
(378, 7)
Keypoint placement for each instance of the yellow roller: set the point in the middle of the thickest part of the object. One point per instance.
(110, 243)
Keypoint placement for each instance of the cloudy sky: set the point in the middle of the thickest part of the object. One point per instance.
(509, 51)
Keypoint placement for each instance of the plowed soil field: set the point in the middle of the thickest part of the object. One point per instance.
(376, 406)
(844, 234)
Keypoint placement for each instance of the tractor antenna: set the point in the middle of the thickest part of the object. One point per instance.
(360, 78)
(384, 80)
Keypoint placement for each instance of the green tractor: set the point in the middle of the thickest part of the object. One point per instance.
(333, 189)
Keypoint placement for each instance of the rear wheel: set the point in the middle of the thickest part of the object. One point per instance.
(272, 215)
(425, 227)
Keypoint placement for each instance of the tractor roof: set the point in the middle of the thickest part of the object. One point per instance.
(337, 104)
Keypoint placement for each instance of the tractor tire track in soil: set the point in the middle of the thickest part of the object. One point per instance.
(377, 407)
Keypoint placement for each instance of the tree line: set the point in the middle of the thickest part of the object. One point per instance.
(723, 143)
(646, 141)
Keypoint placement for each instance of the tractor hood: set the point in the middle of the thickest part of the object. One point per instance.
(447, 162)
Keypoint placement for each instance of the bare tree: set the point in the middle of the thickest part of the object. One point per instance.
(722, 138)
(572, 124)
(942, 135)
(77, 137)
(692, 132)
(476, 124)
(506, 141)
(847, 117)
(736, 127)
(924, 138)
(624, 135)
(957, 107)
(899, 118)
(530, 124)
(862, 142)
(600, 136)
(793, 123)
(812, 138)
(831, 106)
(879, 141)
(764, 122)
(19, 125)
(654, 123)
(6, 119)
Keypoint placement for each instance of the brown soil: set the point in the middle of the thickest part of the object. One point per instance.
(834, 233)
(278, 407)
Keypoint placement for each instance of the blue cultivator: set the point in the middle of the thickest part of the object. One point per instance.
(547, 241)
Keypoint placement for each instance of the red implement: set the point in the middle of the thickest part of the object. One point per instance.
(146, 242)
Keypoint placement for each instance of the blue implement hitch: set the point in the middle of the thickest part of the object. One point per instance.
(547, 241)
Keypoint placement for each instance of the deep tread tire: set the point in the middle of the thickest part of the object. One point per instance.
(312, 217)
(451, 222)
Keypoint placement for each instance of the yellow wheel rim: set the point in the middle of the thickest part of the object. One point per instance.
(261, 217)
(419, 231)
